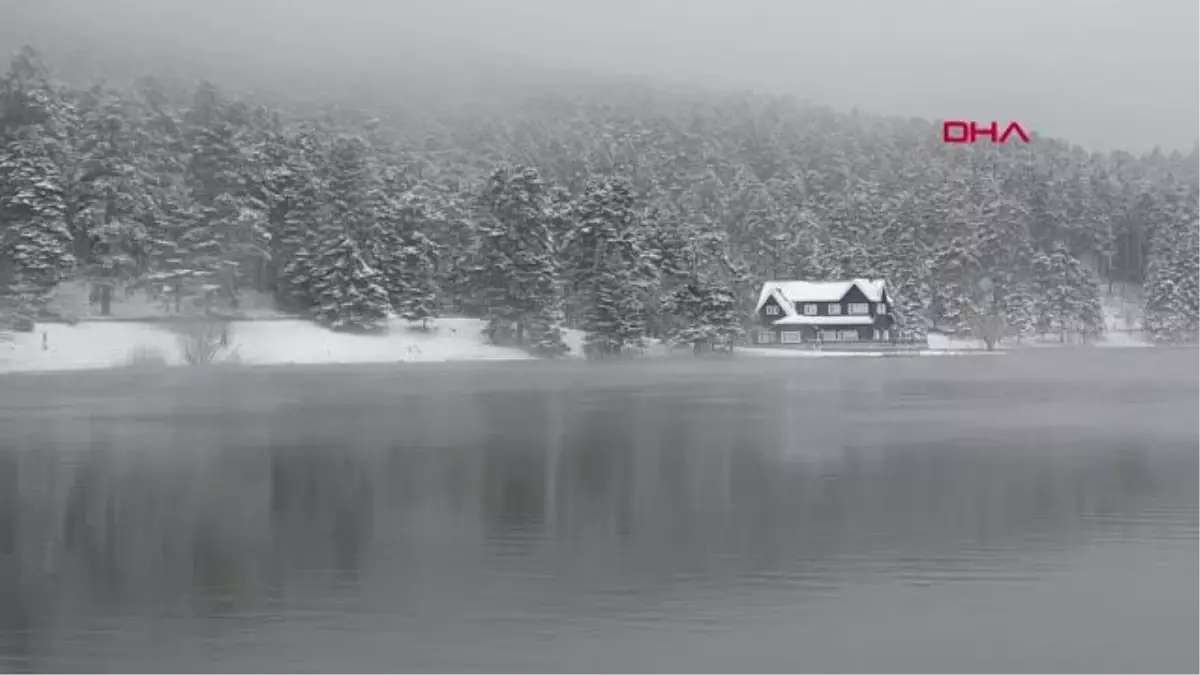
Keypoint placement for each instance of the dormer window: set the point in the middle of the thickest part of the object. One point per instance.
(810, 309)
(860, 308)
(772, 310)
(880, 308)
(835, 309)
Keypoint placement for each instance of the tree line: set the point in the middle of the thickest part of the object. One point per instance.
(626, 211)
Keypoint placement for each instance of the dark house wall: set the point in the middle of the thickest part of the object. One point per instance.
(767, 319)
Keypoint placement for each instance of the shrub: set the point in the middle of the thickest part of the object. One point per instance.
(203, 341)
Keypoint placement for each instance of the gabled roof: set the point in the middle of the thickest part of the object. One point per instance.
(787, 293)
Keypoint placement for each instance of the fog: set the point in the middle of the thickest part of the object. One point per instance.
(1105, 74)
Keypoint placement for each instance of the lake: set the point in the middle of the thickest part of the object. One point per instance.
(1034, 512)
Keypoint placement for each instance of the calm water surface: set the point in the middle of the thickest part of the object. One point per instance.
(1029, 513)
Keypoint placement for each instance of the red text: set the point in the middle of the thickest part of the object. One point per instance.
(961, 131)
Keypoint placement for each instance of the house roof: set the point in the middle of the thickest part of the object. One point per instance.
(800, 320)
(787, 293)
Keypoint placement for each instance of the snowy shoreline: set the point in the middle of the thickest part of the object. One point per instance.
(124, 342)
(102, 344)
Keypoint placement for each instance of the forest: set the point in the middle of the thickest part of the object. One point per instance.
(624, 209)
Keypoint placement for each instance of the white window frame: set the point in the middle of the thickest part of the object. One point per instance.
(880, 308)
(860, 308)
(772, 310)
(847, 335)
(764, 337)
(810, 309)
(835, 309)
(789, 337)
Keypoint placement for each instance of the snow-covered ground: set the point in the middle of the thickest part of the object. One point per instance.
(108, 344)
(827, 353)
(1122, 328)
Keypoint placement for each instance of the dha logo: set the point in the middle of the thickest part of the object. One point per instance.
(962, 131)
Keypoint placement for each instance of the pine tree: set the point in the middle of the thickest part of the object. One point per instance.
(292, 195)
(698, 305)
(1068, 299)
(229, 238)
(35, 241)
(603, 270)
(705, 315)
(409, 258)
(347, 293)
(111, 202)
(1172, 299)
(515, 274)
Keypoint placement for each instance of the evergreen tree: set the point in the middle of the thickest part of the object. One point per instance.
(410, 258)
(347, 293)
(1172, 299)
(1067, 295)
(229, 238)
(35, 241)
(515, 273)
(111, 204)
(293, 196)
(704, 313)
(603, 268)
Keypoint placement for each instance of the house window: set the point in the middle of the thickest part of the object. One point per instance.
(810, 309)
(790, 337)
(848, 335)
(764, 337)
(834, 309)
(772, 310)
(880, 308)
(860, 308)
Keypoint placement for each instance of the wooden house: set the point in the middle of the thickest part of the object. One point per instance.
(810, 312)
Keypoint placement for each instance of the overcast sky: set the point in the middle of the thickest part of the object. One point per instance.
(1102, 73)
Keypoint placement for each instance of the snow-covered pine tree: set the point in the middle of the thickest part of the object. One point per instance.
(705, 315)
(1004, 249)
(292, 195)
(515, 274)
(347, 293)
(407, 257)
(230, 237)
(1066, 293)
(602, 268)
(173, 276)
(1172, 300)
(698, 304)
(1019, 307)
(347, 245)
(35, 241)
(907, 271)
(956, 275)
(111, 202)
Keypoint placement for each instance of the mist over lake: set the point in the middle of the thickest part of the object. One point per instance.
(1023, 513)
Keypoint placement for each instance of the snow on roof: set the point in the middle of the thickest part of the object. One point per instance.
(798, 320)
(789, 292)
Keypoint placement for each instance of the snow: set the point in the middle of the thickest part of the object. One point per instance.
(1122, 322)
(789, 292)
(108, 344)
(798, 320)
(824, 353)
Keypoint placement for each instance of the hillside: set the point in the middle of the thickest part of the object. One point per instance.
(628, 210)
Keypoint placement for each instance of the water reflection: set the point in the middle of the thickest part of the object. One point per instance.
(433, 516)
